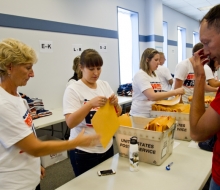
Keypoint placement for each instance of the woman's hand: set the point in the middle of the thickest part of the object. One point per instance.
(98, 101)
(179, 91)
(42, 171)
(85, 140)
(113, 100)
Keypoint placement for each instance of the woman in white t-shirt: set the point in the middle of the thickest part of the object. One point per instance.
(80, 102)
(163, 73)
(146, 85)
(19, 148)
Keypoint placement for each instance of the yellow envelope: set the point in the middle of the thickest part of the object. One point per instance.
(170, 102)
(125, 120)
(106, 123)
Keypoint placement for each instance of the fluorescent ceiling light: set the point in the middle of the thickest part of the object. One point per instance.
(205, 8)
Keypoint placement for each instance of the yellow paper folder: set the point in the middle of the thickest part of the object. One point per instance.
(106, 123)
(170, 102)
(124, 120)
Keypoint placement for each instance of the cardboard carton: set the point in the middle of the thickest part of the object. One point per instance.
(52, 158)
(182, 131)
(154, 147)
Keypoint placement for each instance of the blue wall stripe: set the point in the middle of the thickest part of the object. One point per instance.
(44, 25)
(150, 38)
(141, 38)
(158, 38)
(52, 26)
(188, 45)
(172, 43)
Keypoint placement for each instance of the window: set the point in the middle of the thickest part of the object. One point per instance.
(128, 44)
(181, 43)
(195, 38)
(165, 29)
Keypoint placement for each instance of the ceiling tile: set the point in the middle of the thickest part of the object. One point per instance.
(196, 5)
(214, 2)
(189, 7)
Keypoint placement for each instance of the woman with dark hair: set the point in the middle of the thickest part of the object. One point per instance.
(80, 102)
(146, 85)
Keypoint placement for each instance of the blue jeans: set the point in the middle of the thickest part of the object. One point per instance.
(83, 161)
(213, 185)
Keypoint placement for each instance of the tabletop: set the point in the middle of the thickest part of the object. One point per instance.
(190, 170)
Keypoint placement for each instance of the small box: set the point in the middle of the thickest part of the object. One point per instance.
(52, 158)
(182, 131)
(154, 147)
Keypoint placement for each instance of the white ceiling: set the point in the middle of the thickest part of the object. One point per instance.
(189, 7)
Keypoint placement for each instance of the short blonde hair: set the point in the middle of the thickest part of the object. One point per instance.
(15, 52)
(149, 53)
(161, 53)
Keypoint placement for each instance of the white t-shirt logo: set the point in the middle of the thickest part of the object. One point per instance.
(190, 81)
(156, 86)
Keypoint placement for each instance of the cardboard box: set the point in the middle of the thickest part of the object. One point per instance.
(212, 94)
(154, 147)
(182, 131)
(52, 158)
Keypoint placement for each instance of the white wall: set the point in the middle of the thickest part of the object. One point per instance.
(175, 19)
(54, 69)
(94, 13)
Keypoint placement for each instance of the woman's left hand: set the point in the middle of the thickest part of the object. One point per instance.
(113, 100)
(42, 171)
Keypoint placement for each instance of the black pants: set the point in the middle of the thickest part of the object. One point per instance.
(38, 187)
(82, 161)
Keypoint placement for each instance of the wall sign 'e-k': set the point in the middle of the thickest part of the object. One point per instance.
(46, 46)
(77, 48)
(102, 47)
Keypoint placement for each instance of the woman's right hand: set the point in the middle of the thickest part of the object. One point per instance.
(98, 101)
(86, 140)
(179, 91)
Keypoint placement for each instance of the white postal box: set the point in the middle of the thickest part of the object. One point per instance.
(182, 131)
(154, 147)
(52, 158)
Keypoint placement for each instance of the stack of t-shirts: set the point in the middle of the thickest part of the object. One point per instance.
(125, 90)
(36, 107)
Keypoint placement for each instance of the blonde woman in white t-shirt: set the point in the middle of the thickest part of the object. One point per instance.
(146, 85)
(19, 148)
